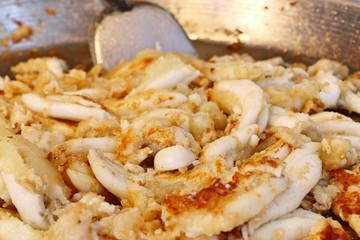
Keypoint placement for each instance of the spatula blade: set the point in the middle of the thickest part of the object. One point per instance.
(120, 35)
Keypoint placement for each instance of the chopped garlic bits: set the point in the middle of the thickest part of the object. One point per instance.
(167, 146)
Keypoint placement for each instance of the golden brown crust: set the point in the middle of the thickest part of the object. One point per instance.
(221, 191)
(206, 199)
(346, 204)
(327, 229)
(344, 178)
(265, 161)
(330, 233)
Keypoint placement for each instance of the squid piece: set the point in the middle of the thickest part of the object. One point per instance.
(328, 75)
(221, 206)
(238, 67)
(201, 176)
(225, 204)
(247, 135)
(227, 147)
(110, 174)
(334, 126)
(165, 73)
(70, 158)
(164, 117)
(350, 98)
(283, 78)
(59, 109)
(329, 88)
(293, 226)
(4, 195)
(329, 116)
(326, 229)
(303, 169)
(83, 145)
(132, 106)
(232, 96)
(214, 164)
(172, 158)
(123, 184)
(11, 228)
(347, 201)
(230, 147)
(269, 160)
(288, 118)
(94, 94)
(153, 131)
(30, 180)
(83, 179)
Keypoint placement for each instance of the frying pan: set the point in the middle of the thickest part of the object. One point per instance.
(298, 30)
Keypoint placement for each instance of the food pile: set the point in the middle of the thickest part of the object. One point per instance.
(168, 146)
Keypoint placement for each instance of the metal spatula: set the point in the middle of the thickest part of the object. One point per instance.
(122, 30)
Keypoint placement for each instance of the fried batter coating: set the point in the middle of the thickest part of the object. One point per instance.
(169, 146)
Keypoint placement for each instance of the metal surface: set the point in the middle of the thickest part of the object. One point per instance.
(59, 28)
(303, 30)
(118, 34)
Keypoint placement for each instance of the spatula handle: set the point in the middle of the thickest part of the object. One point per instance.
(120, 4)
